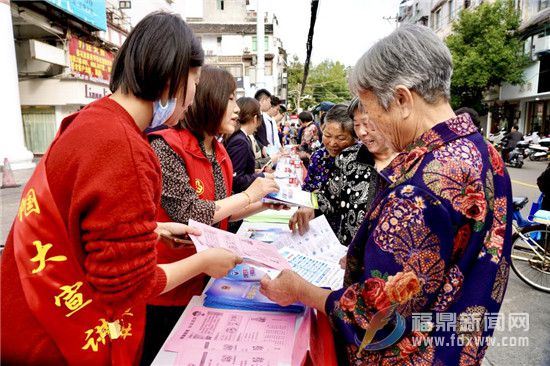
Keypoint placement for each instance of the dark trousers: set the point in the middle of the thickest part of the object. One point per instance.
(505, 153)
(160, 321)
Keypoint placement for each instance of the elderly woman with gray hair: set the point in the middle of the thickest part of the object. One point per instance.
(435, 247)
(353, 182)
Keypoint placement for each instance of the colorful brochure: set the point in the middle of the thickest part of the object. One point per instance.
(230, 294)
(292, 196)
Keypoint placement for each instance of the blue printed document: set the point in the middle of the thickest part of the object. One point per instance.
(245, 295)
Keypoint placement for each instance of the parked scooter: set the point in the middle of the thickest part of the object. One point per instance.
(538, 152)
(496, 138)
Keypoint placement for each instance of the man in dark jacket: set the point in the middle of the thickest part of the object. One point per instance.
(512, 140)
(264, 97)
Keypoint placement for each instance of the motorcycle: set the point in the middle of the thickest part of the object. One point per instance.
(540, 151)
(523, 148)
(515, 156)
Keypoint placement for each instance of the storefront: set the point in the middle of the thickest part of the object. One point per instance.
(538, 116)
(45, 102)
(526, 105)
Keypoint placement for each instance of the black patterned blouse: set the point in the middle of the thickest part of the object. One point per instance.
(351, 187)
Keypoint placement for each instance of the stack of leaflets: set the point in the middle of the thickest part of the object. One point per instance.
(207, 336)
(314, 256)
(244, 295)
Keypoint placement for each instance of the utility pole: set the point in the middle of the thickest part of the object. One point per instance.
(309, 47)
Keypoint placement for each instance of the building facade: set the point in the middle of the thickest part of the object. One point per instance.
(526, 105)
(64, 51)
(227, 30)
(414, 11)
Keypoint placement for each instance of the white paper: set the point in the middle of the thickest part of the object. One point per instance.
(315, 271)
(291, 195)
(318, 242)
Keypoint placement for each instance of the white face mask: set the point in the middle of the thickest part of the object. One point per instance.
(162, 113)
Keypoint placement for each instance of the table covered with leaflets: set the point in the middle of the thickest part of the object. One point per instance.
(232, 323)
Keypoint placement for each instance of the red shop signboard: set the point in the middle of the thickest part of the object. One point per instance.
(89, 62)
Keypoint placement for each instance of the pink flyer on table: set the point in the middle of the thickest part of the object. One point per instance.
(235, 333)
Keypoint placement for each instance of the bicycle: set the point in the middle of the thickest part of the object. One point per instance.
(531, 246)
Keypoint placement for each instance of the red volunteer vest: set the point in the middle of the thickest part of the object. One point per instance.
(201, 178)
(56, 289)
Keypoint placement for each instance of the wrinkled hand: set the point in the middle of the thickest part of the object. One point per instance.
(269, 169)
(260, 188)
(285, 289)
(275, 206)
(218, 261)
(343, 261)
(300, 220)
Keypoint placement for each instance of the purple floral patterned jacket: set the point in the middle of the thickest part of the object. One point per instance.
(436, 246)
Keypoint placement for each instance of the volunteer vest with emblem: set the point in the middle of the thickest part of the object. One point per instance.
(201, 177)
(56, 289)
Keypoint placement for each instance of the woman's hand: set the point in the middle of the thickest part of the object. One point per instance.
(218, 261)
(268, 175)
(175, 229)
(285, 289)
(300, 220)
(260, 188)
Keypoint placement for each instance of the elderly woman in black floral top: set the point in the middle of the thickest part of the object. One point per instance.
(352, 183)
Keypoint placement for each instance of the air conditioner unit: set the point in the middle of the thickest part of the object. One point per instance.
(541, 44)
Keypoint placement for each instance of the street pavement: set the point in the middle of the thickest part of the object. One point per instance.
(519, 298)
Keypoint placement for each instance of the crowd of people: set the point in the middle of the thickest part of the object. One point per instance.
(91, 273)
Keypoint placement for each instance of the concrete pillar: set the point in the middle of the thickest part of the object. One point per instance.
(12, 140)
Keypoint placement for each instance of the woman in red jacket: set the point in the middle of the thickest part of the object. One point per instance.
(197, 178)
(80, 260)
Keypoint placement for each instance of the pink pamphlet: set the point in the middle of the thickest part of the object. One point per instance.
(252, 251)
(215, 358)
(262, 338)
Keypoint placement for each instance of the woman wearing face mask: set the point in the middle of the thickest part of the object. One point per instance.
(80, 261)
(353, 183)
(197, 180)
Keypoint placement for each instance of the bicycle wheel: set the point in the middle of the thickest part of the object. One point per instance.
(531, 256)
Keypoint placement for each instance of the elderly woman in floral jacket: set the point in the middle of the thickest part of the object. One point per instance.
(429, 265)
